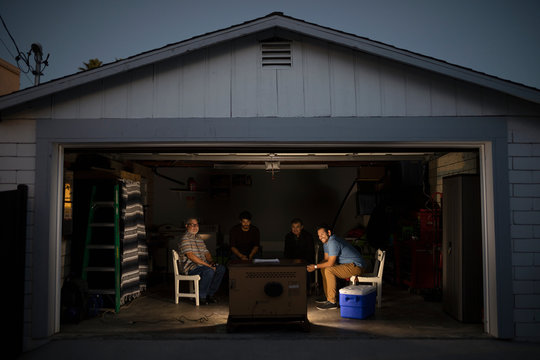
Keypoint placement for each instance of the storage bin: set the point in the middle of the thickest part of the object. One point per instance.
(357, 301)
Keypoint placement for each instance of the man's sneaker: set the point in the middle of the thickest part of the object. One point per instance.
(327, 306)
(321, 300)
(211, 300)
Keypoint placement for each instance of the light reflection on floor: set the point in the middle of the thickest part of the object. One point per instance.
(155, 315)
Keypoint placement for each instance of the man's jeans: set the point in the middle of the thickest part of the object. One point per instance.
(210, 279)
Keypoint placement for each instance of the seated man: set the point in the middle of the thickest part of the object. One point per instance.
(244, 238)
(299, 243)
(341, 260)
(197, 260)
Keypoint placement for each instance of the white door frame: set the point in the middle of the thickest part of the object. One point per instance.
(491, 324)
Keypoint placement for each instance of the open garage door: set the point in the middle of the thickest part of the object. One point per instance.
(387, 198)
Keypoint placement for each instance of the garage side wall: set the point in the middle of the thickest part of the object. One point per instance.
(17, 167)
(524, 176)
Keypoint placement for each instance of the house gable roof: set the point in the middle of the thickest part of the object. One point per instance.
(273, 20)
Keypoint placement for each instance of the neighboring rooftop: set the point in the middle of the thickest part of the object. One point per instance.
(9, 78)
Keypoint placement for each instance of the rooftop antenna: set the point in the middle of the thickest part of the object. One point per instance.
(35, 48)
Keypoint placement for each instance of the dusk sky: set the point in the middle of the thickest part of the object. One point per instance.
(496, 37)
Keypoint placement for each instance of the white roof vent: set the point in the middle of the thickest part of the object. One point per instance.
(276, 54)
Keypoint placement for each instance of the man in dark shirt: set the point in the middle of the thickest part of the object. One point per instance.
(244, 238)
(299, 243)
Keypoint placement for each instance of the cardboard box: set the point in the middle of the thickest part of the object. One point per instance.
(357, 301)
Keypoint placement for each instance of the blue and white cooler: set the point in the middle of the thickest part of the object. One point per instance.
(357, 301)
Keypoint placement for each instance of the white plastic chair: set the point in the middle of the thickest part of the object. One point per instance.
(193, 279)
(374, 278)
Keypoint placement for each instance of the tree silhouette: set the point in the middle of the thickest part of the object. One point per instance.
(91, 64)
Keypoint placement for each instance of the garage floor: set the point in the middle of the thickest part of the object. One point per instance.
(155, 315)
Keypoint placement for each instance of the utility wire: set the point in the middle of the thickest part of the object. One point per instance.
(12, 39)
(9, 51)
(36, 48)
(28, 78)
(13, 56)
(19, 54)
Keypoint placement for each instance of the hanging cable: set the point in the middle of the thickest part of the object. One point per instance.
(36, 48)
(12, 39)
(19, 55)
(13, 56)
(9, 51)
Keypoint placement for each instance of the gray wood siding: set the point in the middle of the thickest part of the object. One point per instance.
(228, 80)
